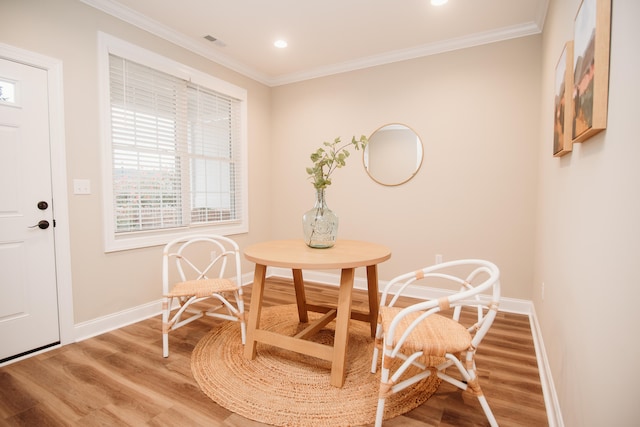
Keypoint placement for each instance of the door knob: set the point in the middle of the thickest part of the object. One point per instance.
(42, 205)
(42, 224)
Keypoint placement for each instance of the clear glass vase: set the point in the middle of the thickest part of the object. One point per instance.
(320, 224)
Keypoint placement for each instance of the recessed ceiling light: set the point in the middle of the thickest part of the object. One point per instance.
(438, 2)
(280, 44)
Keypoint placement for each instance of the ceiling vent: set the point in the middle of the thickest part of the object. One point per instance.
(215, 41)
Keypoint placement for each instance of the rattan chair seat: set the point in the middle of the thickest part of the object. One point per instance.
(202, 288)
(435, 336)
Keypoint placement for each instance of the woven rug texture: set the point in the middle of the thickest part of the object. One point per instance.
(285, 388)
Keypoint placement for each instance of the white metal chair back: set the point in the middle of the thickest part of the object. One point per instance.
(190, 269)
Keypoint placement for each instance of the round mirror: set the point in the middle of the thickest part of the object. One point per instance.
(393, 154)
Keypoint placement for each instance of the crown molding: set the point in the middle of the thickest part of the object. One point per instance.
(143, 22)
(472, 40)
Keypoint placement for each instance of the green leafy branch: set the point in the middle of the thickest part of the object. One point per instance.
(330, 157)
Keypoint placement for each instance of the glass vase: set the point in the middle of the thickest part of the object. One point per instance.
(320, 224)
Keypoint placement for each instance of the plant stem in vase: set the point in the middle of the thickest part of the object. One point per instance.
(320, 224)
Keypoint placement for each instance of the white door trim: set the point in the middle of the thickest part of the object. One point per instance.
(58, 180)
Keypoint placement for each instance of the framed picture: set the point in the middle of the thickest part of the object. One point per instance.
(562, 137)
(592, 33)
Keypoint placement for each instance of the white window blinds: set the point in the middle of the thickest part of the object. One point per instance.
(176, 151)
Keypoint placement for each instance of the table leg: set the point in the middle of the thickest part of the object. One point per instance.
(257, 291)
(341, 340)
(301, 299)
(372, 287)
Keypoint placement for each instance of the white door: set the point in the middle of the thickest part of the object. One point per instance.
(28, 291)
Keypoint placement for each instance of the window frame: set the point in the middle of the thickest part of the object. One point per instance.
(139, 239)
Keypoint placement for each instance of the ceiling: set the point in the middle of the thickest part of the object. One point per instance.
(325, 37)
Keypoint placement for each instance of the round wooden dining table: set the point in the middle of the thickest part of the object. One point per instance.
(346, 255)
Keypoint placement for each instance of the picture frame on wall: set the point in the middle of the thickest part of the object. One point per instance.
(592, 34)
(562, 130)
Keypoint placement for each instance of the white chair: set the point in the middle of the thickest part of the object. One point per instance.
(195, 269)
(418, 336)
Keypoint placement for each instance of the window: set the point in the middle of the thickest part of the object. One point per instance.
(7, 91)
(175, 144)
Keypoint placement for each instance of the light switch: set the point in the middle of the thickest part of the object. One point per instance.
(81, 186)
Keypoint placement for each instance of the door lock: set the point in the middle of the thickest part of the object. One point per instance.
(42, 224)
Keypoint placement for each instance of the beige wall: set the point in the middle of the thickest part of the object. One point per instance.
(588, 244)
(67, 30)
(476, 111)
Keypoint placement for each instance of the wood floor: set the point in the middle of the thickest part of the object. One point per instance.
(120, 378)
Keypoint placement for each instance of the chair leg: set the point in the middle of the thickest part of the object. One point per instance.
(243, 330)
(472, 380)
(241, 314)
(374, 361)
(165, 345)
(166, 303)
(487, 411)
(379, 412)
(384, 379)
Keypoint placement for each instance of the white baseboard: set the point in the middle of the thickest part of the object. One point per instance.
(110, 322)
(554, 414)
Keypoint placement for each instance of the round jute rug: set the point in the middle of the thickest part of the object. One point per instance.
(284, 388)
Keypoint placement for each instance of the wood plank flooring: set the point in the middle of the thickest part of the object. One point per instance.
(120, 378)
